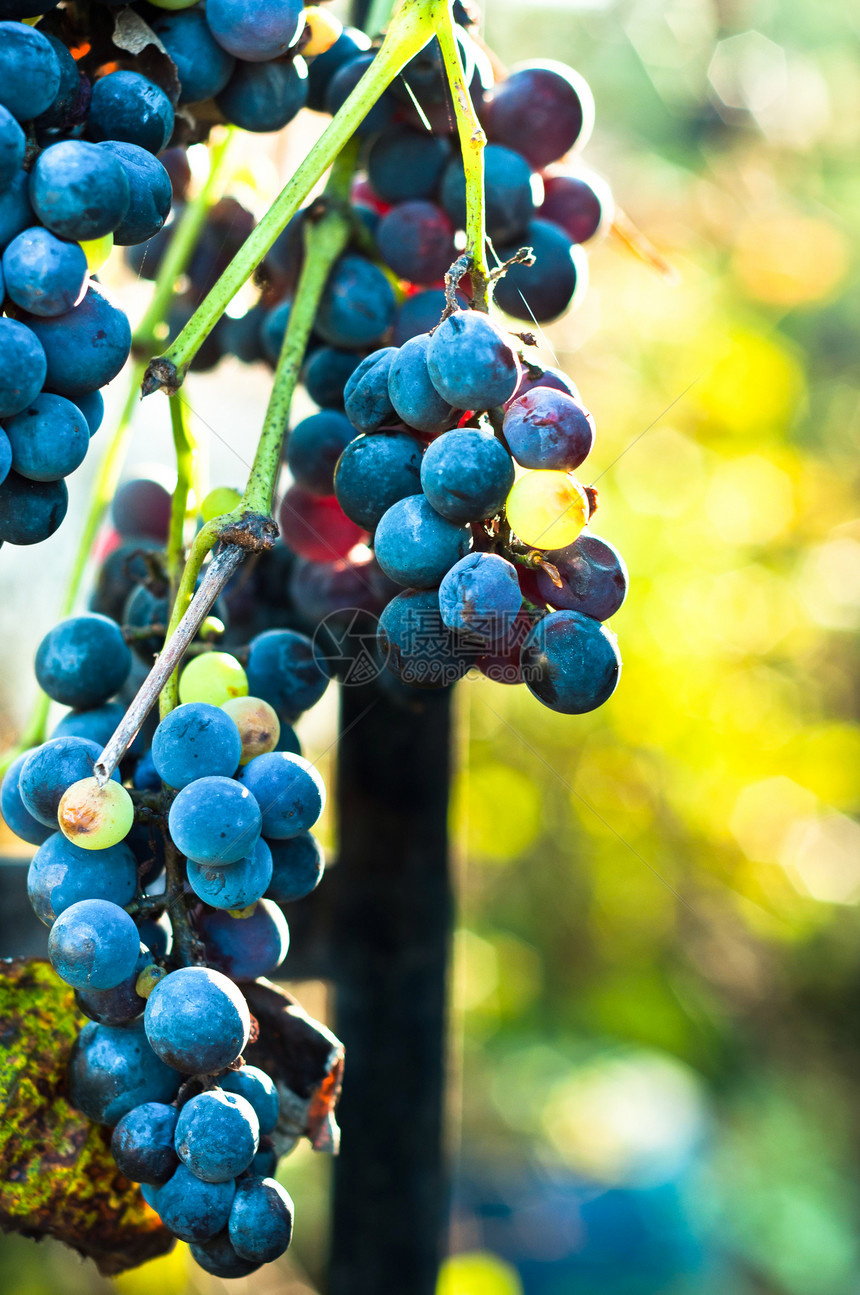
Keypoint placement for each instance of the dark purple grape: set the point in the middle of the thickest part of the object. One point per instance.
(541, 111)
(580, 204)
(593, 575)
(545, 290)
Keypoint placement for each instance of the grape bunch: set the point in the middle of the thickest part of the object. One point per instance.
(64, 201)
(213, 788)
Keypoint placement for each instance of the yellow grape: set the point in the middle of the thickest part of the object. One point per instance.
(258, 725)
(547, 509)
(323, 30)
(148, 979)
(95, 817)
(223, 499)
(213, 677)
(97, 251)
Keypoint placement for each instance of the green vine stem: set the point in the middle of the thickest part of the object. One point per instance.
(410, 30)
(472, 142)
(184, 446)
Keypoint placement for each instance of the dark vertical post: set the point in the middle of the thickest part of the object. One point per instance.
(390, 940)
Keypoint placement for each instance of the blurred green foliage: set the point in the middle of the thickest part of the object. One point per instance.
(659, 951)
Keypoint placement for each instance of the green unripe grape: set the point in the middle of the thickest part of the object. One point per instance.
(148, 979)
(258, 725)
(213, 677)
(223, 499)
(173, 4)
(95, 817)
(242, 913)
(97, 251)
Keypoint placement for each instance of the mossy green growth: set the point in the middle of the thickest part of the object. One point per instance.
(57, 1176)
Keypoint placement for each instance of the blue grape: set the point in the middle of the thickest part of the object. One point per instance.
(83, 660)
(283, 669)
(43, 274)
(5, 447)
(419, 314)
(49, 438)
(61, 873)
(145, 608)
(263, 97)
(481, 595)
(86, 347)
(467, 474)
(119, 1005)
(471, 362)
(261, 1220)
(238, 885)
(357, 306)
(349, 43)
(416, 240)
(50, 769)
(16, 214)
(246, 947)
(326, 374)
(265, 1161)
(97, 725)
(197, 1021)
(541, 110)
(92, 406)
(13, 143)
(416, 645)
(298, 865)
(214, 821)
(31, 511)
(273, 329)
(218, 1257)
(59, 112)
(413, 395)
(404, 164)
(217, 1135)
(253, 33)
(79, 190)
(289, 740)
(257, 1088)
(289, 791)
(570, 662)
(241, 337)
(313, 448)
(191, 1209)
(142, 1143)
(509, 203)
(341, 86)
(15, 813)
(29, 71)
(543, 291)
(93, 944)
(150, 192)
(548, 429)
(374, 472)
(415, 546)
(593, 575)
(196, 741)
(129, 107)
(23, 367)
(112, 1069)
(203, 66)
(365, 395)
